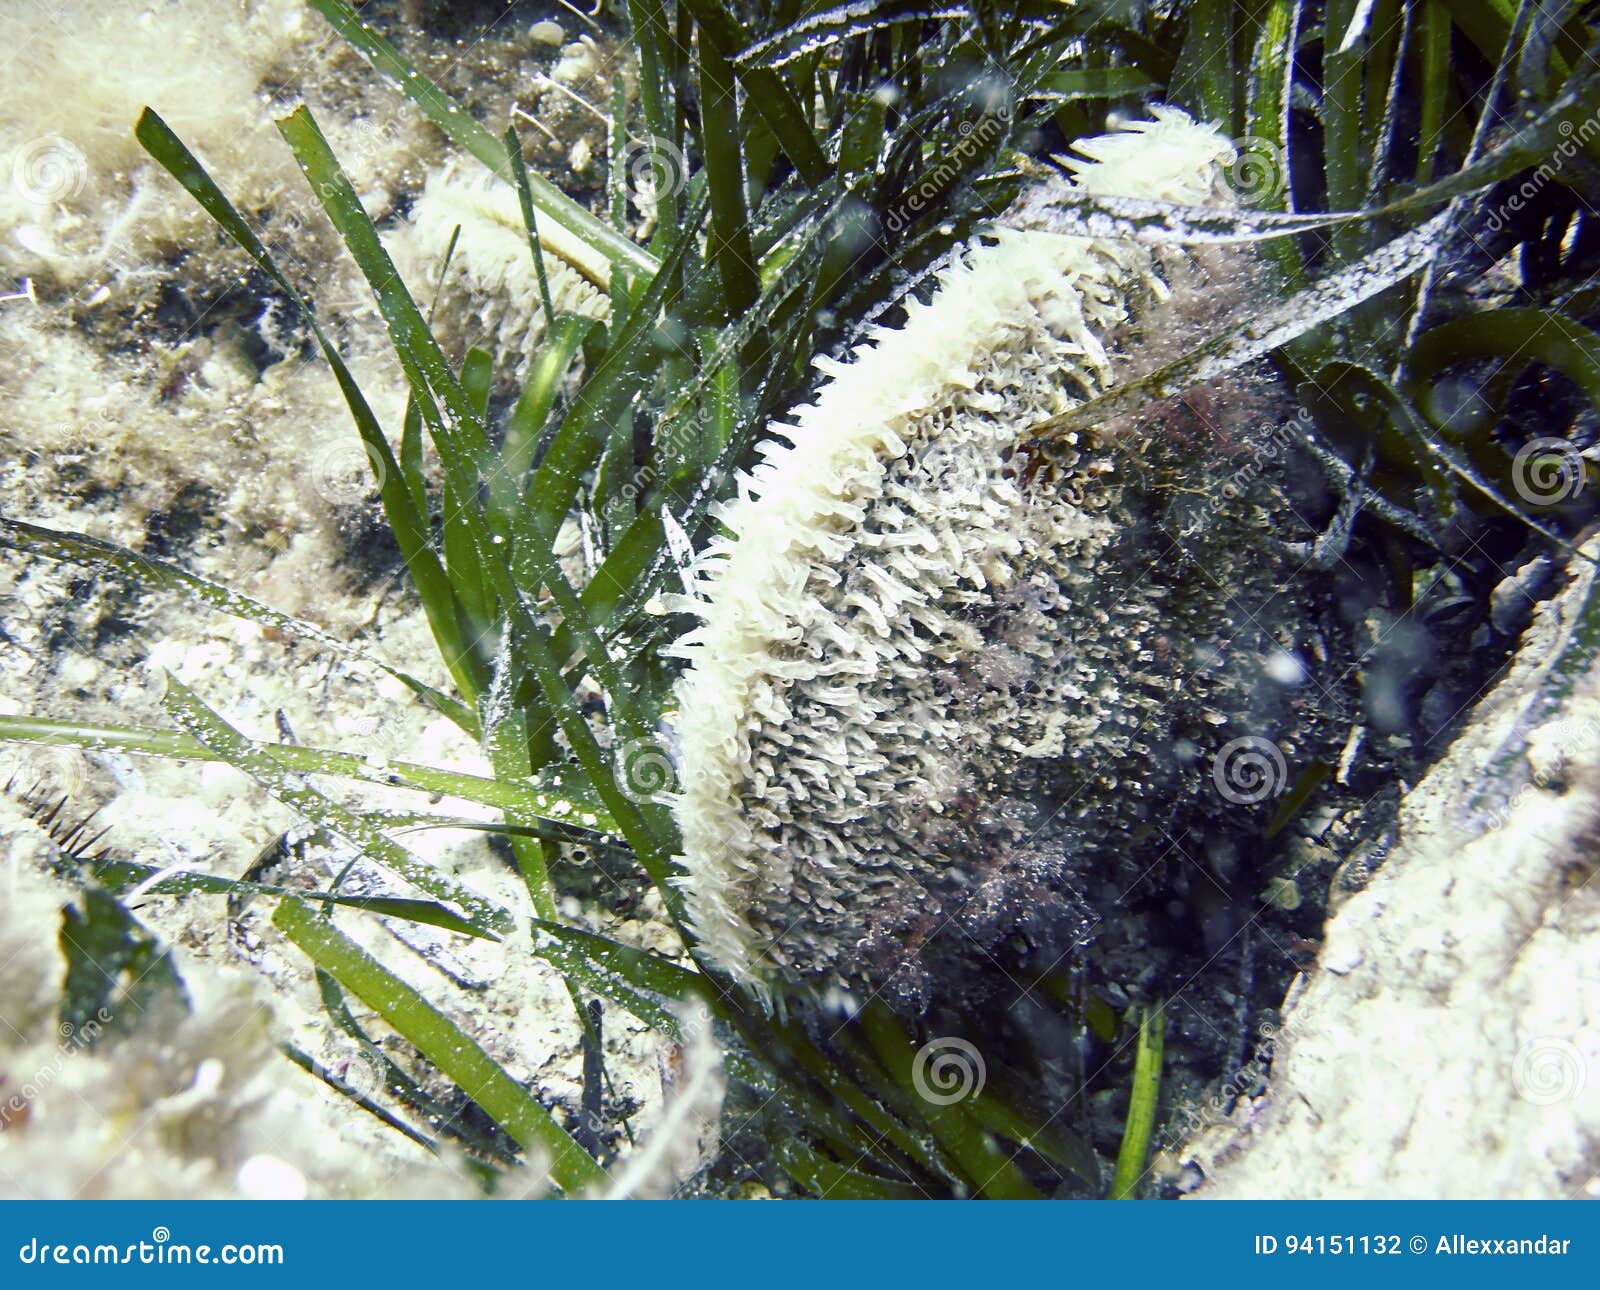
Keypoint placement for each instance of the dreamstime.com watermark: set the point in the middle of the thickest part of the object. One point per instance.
(41, 772)
(18, 1101)
(347, 472)
(48, 170)
(1249, 769)
(1242, 1083)
(1549, 1069)
(160, 1250)
(645, 772)
(948, 1070)
(1575, 137)
(1262, 453)
(975, 137)
(1548, 471)
(1256, 170)
(655, 167)
(1560, 741)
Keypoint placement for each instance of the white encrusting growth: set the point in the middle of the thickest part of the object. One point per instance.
(493, 262)
(881, 639)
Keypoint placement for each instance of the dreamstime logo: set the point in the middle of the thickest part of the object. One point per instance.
(654, 166)
(1546, 471)
(49, 169)
(948, 1070)
(45, 774)
(644, 771)
(1249, 769)
(1256, 170)
(358, 1070)
(1548, 1070)
(346, 473)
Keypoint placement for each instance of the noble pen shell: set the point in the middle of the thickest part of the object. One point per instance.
(938, 677)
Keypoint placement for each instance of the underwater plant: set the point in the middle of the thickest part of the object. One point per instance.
(1141, 327)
